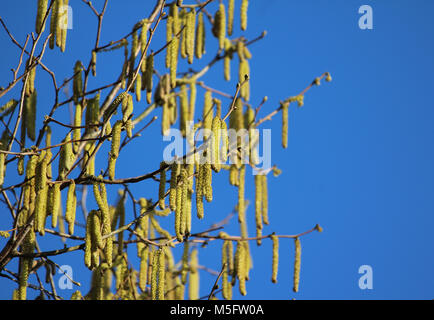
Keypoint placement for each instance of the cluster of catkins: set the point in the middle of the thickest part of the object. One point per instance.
(159, 276)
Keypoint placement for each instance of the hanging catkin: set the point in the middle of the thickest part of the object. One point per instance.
(183, 106)
(30, 114)
(285, 106)
(76, 135)
(53, 23)
(41, 189)
(297, 263)
(56, 204)
(66, 156)
(173, 184)
(275, 258)
(162, 186)
(114, 151)
(192, 104)
(240, 267)
(215, 143)
(193, 285)
(64, 23)
(265, 199)
(227, 263)
(183, 38)
(258, 203)
(88, 242)
(207, 181)
(190, 40)
(71, 202)
(42, 9)
(148, 77)
(241, 185)
(169, 32)
(174, 50)
(200, 36)
(227, 59)
(139, 87)
(208, 114)
(231, 7)
(143, 274)
(199, 191)
(77, 84)
(59, 20)
(244, 5)
(219, 27)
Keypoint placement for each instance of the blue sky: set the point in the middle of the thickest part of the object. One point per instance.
(359, 157)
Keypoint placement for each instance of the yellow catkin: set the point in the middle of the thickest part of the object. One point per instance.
(184, 201)
(71, 207)
(169, 32)
(265, 200)
(25, 266)
(41, 189)
(154, 280)
(225, 142)
(222, 26)
(144, 35)
(66, 157)
(148, 76)
(244, 73)
(162, 186)
(143, 275)
(231, 7)
(93, 63)
(129, 126)
(183, 108)
(76, 135)
(297, 264)
(77, 84)
(114, 151)
(42, 9)
(184, 262)
(240, 267)
(258, 202)
(285, 124)
(29, 113)
(244, 5)
(192, 105)
(161, 273)
(64, 21)
(53, 23)
(226, 263)
(190, 39)
(199, 192)
(120, 212)
(134, 45)
(241, 187)
(183, 38)
(96, 229)
(227, 60)
(200, 36)
(233, 175)
(2, 167)
(127, 107)
(174, 44)
(173, 184)
(208, 113)
(56, 204)
(88, 242)
(139, 87)
(207, 181)
(59, 20)
(215, 143)
(275, 258)
(179, 210)
(193, 285)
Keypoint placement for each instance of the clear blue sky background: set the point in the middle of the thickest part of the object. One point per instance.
(359, 160)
